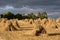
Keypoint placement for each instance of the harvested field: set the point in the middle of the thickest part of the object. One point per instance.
(18, 36)
(28, 29)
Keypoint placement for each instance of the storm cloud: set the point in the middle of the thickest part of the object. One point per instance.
(52, 7)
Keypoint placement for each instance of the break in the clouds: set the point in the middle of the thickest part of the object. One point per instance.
(52, 7)
(24, 9)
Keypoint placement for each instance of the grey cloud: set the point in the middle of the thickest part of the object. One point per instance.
(51, 6)
(24, 9)
(30, 2)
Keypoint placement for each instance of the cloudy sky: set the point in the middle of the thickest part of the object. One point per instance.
(52, 7)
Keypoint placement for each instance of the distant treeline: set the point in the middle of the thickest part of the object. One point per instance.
(19, 16)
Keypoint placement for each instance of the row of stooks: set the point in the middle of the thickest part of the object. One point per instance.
(38, 25)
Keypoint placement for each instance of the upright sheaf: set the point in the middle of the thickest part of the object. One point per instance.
(30, 26)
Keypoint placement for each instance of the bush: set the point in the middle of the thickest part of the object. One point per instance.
(19, 16)
(31, 16)
(8, 15)
(44, 15)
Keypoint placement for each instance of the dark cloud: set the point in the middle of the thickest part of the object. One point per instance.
(25, 6)
(30, 2)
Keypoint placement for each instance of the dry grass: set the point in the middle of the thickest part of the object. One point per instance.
(28, 29)
(16, 35)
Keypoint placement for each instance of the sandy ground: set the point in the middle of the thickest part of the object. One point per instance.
(16, 35)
